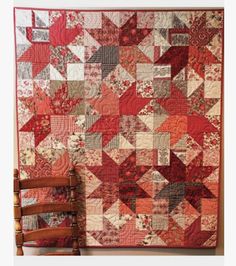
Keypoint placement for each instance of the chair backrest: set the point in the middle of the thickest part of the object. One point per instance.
(71, 181)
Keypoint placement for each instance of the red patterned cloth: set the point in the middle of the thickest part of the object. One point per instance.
(133, 100)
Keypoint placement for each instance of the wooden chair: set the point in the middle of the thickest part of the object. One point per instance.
(47, 233)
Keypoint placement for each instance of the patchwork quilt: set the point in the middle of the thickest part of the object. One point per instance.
(133, 100)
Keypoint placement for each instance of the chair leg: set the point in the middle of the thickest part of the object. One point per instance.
(74, 224)
(19, 251)
(17, 215)
(76, 251)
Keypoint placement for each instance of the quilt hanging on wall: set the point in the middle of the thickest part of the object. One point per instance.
(133, 100)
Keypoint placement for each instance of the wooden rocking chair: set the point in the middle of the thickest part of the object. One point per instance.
(46, 233)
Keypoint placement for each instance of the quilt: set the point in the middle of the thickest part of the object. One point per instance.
(133, 100)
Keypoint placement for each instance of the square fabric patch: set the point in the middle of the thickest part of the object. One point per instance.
(131, 99)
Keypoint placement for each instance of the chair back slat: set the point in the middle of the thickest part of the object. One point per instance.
(47, 207)
(44, 182)
(47, 233)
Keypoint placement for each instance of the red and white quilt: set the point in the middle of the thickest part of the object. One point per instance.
(133, 100)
